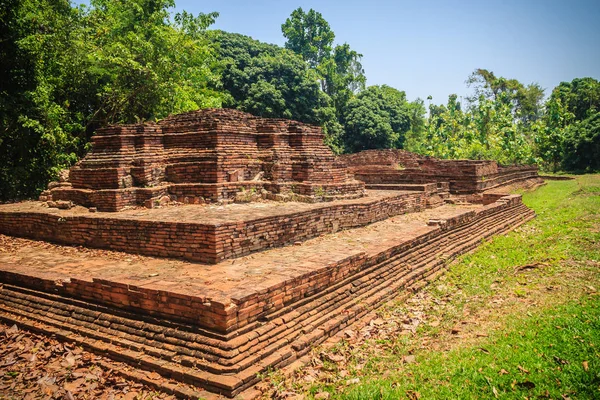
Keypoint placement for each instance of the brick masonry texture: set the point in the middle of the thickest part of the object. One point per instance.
(205, 242)
(268, 328)
(278, 244)
(205, 156)
(463, 176)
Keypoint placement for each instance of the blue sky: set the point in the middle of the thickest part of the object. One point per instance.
(431, 47)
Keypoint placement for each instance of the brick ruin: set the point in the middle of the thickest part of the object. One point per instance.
(470, 178)
(202, 302)
(203, 156)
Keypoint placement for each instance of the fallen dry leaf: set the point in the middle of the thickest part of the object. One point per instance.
(412, 395)
(526, 385)
(408, 359)
(522, 369)
(153, 375)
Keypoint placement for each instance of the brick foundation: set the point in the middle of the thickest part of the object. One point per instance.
(204, 242)
(230, 343)
(464, 176)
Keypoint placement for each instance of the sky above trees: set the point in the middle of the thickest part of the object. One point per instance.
(430, 48)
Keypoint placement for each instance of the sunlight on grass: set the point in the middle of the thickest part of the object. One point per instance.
(527, 308)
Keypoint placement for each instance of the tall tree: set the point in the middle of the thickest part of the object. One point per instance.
(39, 61)
(582, 145)
(580, 97)
(146, 65)
(571, 132)
(342, 76)
(267, 80)
(309, 35)
(339, 69)
(525, 101)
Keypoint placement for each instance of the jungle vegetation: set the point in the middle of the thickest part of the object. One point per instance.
(67, 70)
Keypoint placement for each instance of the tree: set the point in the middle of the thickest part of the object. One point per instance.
(39, 58)
(487, 130)
(338, 68)
(267, 80)
(582, 145)
(580, 97)
(525, 101)
(377, 118)
(342, 76)
(70, 70)
(568, 137)
(146, 65)
(309, 35)
(415, 137)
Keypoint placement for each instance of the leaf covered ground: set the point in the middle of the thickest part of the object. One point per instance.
(38, 367)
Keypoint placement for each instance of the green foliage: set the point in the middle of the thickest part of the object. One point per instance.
(525, 102)
(582, 145)
(145, 65)
(269, 81)
(377, 118)
(506, 122)
(309, 35)
(485, 131)
(70, 70)
(338, 69)
(569, 138)
(581, 97)
(38, 135)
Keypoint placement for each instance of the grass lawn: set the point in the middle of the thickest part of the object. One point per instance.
(517, 319)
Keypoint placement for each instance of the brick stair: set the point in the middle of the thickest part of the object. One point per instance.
(229, 364)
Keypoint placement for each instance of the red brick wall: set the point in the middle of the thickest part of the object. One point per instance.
(204, 242)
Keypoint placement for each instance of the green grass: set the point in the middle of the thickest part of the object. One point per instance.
(538, 356)
(527, 310)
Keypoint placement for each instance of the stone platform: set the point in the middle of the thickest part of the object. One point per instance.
(212, 233)
(218, 326)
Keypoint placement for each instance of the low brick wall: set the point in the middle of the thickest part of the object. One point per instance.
(241, 312)
(375, 167)
(209, 243)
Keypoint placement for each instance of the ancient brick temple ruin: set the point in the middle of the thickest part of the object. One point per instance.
(216, 245)
(205, 156)
(469, 178)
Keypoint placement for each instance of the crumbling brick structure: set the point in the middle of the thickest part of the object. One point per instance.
(202, 156)
(465, 177)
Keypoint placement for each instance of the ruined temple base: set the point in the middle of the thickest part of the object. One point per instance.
(252, 313)
(210, 233)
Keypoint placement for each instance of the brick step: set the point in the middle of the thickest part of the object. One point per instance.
(425, 265)
(285, 335)
(169, 347)
(217, 383)
(420, 246)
